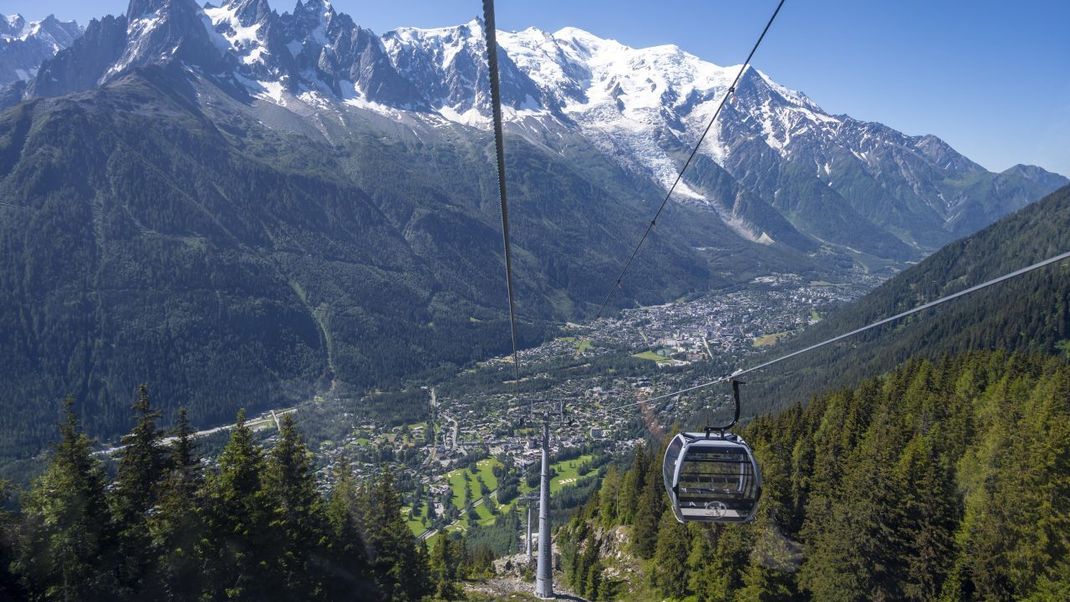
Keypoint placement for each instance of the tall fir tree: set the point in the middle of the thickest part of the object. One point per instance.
(68, 538)
(648, 510)
(445, 560)
(930, 517)
(390, 543)
(177, 528)
(669, 572)
(296, 516)
(238, 518)
(350, 576)
(10, 588)
(134, 495)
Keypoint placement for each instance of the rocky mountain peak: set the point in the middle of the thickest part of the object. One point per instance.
(162, 31)
(25, 45)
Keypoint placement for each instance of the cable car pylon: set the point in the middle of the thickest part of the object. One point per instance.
(544, 569)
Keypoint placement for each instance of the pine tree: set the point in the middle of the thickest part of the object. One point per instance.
(68, 538)
(177, 529)
(669, 573)
(607, 507)
(10, 589)
(296, 515)
(422, 575)
(724, 575)
(632, 487)
(238, 520)
(593, 587)
(141, 463)
(445, 559)
(648, 511)
(390, 543)
(699, 559)
(930, 517)
(764, 584)
(350, 574)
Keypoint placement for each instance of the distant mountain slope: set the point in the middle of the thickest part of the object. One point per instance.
(1030, 313)
(776, 169)
(247, 208)
(25, 45)
(228, 264)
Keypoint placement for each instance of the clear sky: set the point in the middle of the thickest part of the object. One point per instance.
(991, 78)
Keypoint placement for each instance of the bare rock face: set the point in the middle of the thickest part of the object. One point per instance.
(24, 46)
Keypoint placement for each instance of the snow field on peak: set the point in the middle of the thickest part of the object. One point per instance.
(244, 40)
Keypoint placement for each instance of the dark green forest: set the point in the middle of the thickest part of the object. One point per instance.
(252, 526)
(1029, 313)
(945, 480)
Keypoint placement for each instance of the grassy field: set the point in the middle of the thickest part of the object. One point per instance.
(458, 478)
(568, 473)
(419, 524)
(582, 346)
(768, 340)
(650, 355)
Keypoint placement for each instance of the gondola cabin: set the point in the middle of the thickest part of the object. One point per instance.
(712, 477)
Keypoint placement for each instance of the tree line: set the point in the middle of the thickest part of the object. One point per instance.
(945, 480)
(171, 526)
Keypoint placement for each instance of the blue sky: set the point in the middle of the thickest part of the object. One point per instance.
(991, 78)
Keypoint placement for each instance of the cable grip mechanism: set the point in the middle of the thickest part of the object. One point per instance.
(735, 418)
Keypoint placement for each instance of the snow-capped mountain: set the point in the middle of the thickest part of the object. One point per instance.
(25, 45)
(775, 167)
(248, 207)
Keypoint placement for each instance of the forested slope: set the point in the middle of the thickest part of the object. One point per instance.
(154, 232)
(942, 480)
(1029, 313)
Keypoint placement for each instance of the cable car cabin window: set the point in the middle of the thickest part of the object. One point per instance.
(668, 468)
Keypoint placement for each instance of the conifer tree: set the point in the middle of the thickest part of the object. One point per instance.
(669, 573)
(177, 529)
(68, 538)
(648, 510)
(700, 564)
(930, 516)
(10, 589)
(445, 559)
(607, 494)
(632, 487)
(141, 464)
(422, 577)
(862, 548)
(239, 521)
(394, 561)
(350, 575)
(724, 575)
(594, 585)
(296, 514)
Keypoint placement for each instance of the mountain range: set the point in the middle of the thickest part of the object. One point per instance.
(246, 207)
(25, 45)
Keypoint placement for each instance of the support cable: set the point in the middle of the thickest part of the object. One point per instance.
(499, 146)
(931, 304)
(724, 99)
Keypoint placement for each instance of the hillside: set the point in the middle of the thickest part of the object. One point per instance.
(1028, 314)
(229, 265)
(247, 208)
(945, 480)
